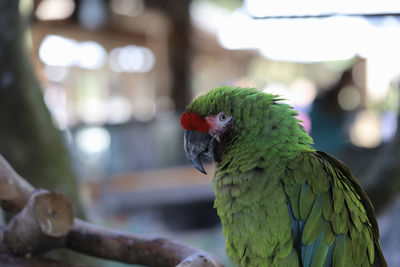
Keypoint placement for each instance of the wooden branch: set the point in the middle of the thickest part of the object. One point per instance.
(14, 190)
(13, 261)
(129, 248)
(46, 222)
(41, 226)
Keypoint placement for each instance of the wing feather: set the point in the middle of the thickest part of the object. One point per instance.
(333, 221)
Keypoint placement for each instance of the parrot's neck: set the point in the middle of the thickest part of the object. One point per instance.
(267, 143)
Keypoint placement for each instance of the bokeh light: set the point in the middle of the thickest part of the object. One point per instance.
(144, 109)
(119, 110)
(302, 93)
(92, 144)
(57, 51)
(56, 73)
(131, 8)
(64, 52)
(90, 55)
(131, 58)
(349, 98)
(366, 130)
(55, 9)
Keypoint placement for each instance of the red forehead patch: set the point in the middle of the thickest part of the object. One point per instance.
(193, 121)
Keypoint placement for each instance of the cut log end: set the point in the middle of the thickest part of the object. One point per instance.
(41, 226)
(54, 213)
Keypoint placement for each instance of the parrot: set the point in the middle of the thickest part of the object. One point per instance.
(280, 201)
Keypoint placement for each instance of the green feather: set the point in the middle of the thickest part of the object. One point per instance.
(294, 194)
(354, 234)
(306, 202)
(339, 252)
(285, 250)
(337, 224)
(291, 260)
(320, 255)
(327, 208)
(320, 181)
(338, 199)
(300, 177)
(358, 249)
(371, 252)
(315, 224)
(329, 235)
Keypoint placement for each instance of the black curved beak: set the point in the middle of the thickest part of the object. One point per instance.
(198, 144)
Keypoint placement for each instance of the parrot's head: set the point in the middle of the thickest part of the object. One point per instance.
(230, 124)
(205, 134)
(233, 118)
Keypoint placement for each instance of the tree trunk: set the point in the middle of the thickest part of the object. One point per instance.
(179, 48)
(27, 136)
(180, 53)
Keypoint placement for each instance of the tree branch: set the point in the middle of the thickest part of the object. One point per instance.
(14, 190)
(41, 226)
(13, 261)
(130, 248)
(46, 223)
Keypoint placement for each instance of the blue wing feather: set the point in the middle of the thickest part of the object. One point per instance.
(308, 252)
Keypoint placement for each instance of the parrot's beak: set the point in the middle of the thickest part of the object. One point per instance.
(198, 144)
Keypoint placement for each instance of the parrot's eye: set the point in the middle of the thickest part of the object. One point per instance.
(218, 124)
(222, 116)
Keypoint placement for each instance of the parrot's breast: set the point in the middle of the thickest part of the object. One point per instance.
(255, 218)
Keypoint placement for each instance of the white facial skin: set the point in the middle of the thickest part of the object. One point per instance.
(218, 124)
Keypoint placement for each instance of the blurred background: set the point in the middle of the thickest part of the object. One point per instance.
(100, 122)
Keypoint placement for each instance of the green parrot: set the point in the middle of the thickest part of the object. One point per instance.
(281, 202)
